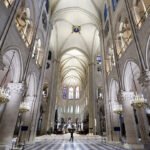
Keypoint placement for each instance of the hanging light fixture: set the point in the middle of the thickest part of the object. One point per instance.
(4, 92)
(4, 96)
(138, 99)
(24, 107)
(117, 108)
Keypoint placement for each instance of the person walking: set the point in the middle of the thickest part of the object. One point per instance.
(71, 135)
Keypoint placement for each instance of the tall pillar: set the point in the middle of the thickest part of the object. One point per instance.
(9, 117)
(144, 80)
(27, 119)
(44, 117)
(92, 99)
(37, 104)
(144, 127)
(49, 104)
(115, 123)
(53, 92)
(130, 125)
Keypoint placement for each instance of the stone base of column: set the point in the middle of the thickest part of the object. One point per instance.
(5, 147)
(30, 142)
(90, 134)
(134, 146)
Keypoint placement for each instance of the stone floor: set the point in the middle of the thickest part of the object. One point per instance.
(61, 142)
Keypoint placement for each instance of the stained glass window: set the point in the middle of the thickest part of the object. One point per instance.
(105, 12)
(114, 4)
(8, 3)
(71, 91)
(77, 92)
(64, 92)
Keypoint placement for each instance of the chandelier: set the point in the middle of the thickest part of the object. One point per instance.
(138, 101)
(117, 108)
(24, 107)
(3, 96)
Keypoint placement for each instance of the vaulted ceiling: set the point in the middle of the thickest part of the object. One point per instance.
(75, 37)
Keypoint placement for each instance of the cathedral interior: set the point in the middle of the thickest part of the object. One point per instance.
(75, 66)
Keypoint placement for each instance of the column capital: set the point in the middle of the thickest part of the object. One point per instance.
(144, 79)
(16, 87)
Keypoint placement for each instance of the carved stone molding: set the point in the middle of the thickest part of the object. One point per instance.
(16, 88)
(29, 99)
(144, 79)
(127, 95)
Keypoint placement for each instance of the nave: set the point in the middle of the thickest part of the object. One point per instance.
(61, 142)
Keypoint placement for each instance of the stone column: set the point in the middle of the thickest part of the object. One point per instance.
(115, 123)
(9, 117)
(130, 125)
(37, 104)
(143, 126)
(48, 107)
(144, 80)
(27, 119)
(53, 92)
(98, 119)
(92, 99)
(44, 117)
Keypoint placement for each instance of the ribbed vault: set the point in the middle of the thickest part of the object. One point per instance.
(75, 38)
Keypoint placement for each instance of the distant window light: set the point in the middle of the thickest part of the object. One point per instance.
(71, 109)
(114, 4)
(77, 92)
(64, 109)
(105, 12)
(47, 5)
(71, 91)
(99, 59)
(77, 109)
(24, 24)
(37, 53)
(8, 3)
(64, 92)
(68, 109)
